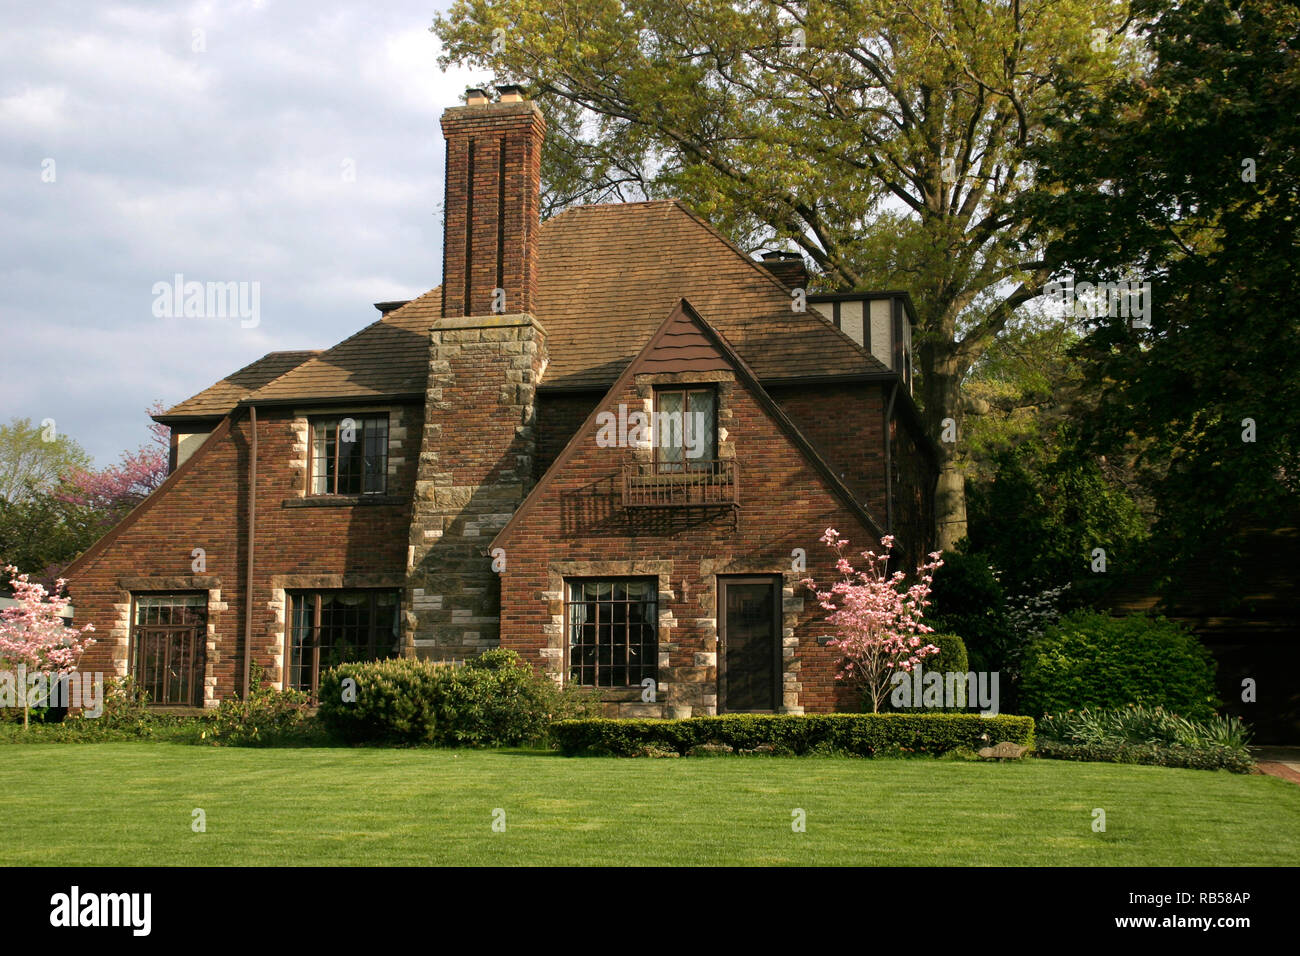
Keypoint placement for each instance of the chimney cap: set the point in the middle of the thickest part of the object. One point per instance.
(475, 96)
(780, 255)
(510, 92)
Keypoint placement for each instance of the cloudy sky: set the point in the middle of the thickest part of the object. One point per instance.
(291, 143)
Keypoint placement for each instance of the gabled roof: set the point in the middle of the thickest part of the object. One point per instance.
(387, 358)
(673, 336)
(607, 272)
(216, 400)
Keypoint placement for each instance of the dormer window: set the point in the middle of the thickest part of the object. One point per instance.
(685, 429)
(349, 455)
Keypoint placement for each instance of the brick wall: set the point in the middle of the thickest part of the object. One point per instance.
(298, 544)
(579, 528)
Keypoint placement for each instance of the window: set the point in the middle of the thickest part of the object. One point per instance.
(685, 429)
(168, 636)
(334, 627)
(349, 455)
(613, 632)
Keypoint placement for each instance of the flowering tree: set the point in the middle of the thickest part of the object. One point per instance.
(33, 635)
(113, 491)
(877, 617)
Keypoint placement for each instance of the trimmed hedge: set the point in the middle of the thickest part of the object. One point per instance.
(1097, 661)
(1156, 755)
(863, 735)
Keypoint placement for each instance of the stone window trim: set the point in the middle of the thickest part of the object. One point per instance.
(724, 384)
(119, 633)
(637, 672)
(274, 638)
(300, 428)
(554, 652)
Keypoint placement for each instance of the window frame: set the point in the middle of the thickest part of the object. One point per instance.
(685, 464)
(360, 418)
(313, 643)
(650, 669)
(198, 651)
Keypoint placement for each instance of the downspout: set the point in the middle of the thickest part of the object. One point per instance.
(252, 541)
(889, 461)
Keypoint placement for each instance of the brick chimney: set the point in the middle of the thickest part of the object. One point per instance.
(492, 205)
(788, 268)
(487, 354)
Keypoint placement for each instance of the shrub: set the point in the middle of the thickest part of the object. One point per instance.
(495, 700)
(863, 735)
(265, 718)
(126, 716)
(950, 659)
(1143, 725)
(1094, 660)
(1157, 755)
(967, 599)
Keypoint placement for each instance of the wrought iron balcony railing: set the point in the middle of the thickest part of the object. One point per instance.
(696, 483)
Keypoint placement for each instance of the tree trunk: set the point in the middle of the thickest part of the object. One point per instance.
(941, 392)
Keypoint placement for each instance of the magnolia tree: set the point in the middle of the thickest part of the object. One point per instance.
(34, 638)
(877, 616)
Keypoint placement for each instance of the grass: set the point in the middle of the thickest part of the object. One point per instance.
(132, 803)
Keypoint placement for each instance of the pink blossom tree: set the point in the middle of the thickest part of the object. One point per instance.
(877, 616)
(113, 491)
(34, 637)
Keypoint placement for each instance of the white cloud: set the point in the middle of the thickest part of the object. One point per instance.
(223, 163)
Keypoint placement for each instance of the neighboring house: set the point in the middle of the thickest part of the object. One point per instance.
(459, 475)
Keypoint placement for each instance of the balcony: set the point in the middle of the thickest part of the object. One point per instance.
(705, 484)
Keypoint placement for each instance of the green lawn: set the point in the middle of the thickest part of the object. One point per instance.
(131, 803)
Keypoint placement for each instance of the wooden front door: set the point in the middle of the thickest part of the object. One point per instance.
(749, 655)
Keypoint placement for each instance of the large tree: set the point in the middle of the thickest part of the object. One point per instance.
(1190, 179)
(884, 139)
(35, 457)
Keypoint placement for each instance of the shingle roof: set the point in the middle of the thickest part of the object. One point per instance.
(388, 357)
(216, 400)
(608, 274)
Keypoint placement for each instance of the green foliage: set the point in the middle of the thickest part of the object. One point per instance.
(952, 657)
(266, 718)
(41, 533)
(863, 735)
(966, 598)
(1065, 507)
(1156, 755)
(493, 702)
(126, 716)
(30, 465)
(1189, 178)
(1144, 725)
(876, 158)
(1095, 660)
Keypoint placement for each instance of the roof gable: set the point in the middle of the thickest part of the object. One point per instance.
(607, 272)
(685, 331)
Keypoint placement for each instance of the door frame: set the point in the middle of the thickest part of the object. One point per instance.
(775, 582)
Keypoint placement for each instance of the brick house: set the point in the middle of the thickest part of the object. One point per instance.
(604, 441)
